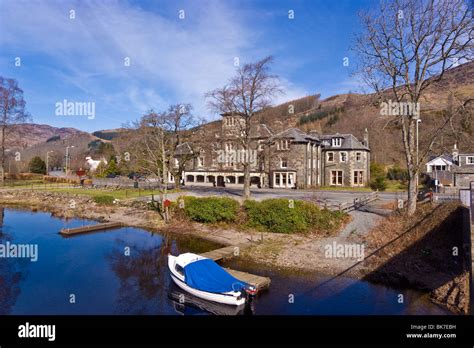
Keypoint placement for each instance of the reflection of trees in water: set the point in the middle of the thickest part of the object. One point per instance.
(142, 275)
(10, 275)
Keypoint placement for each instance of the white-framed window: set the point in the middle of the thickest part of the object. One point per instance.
(343, 156)
(358, 178)
(336, 177)
(285, 144)
(336, 142)
(330, 157)
(358, 156)
(283, 163)
(200, 161)
(176, 162)
(470, 160)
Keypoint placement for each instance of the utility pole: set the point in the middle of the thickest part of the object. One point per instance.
(47, 162)
(67, 157)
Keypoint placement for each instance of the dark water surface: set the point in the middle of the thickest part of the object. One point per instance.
(94, 270)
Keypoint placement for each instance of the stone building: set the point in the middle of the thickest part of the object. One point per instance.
(288, 159)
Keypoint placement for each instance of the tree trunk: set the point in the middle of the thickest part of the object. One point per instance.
(246, 181)
(412, 166)
(2, 154)
(412, 194)
(177, 181)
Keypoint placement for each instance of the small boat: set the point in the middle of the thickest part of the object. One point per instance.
(203, 278)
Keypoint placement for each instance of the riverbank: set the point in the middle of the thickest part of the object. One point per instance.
(381, 261)
(302, 252)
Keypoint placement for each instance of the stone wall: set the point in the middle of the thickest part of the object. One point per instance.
(347, 167)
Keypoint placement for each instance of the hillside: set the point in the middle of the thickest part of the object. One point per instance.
(344, 113)
(353, 113)
(28, 134)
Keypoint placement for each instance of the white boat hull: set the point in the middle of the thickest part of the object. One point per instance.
(233, 298)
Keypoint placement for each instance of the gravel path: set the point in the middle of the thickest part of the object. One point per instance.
(362, 222)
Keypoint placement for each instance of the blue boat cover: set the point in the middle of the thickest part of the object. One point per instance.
(206, 275)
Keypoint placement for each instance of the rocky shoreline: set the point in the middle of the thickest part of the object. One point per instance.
(296, 253)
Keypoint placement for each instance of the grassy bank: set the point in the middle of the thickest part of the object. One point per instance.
(270, 215)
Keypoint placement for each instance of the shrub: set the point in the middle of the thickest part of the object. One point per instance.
(397, 173)
(37, 165)
(104, 199)
(211, 209)
(378, 183)
(276, 215)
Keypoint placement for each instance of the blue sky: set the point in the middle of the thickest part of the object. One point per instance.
(172, 60)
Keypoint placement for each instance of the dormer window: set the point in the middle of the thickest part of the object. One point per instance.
(285, 144)
(336, 142)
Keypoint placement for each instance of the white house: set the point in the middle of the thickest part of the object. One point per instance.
(440, 163)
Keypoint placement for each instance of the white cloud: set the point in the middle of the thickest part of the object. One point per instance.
(172, 60)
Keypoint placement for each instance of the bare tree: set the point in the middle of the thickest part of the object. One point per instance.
(12, 111)
(249, 92)
(178, 123)
(405, 47)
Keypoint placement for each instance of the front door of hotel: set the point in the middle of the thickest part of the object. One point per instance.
(220, 181)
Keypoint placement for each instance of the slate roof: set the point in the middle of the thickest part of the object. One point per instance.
(296, 135)
(349, 142)
(446, 157)
(183, 149)
(260, 131)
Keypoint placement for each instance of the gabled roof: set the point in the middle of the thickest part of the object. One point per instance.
(294, 134)
(349, 142)
(183, 149)
(260, 131)
(444, 157)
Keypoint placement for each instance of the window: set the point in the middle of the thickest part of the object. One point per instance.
(176, 162)
(343, 156)
(470, 160)
(358, 156)
(358, 178)
(336, 142)
(285, 145)
(336, 177)
(200, 161)
(330, 156)
(283, 163)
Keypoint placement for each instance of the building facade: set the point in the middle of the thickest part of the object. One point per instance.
(288, 159)
(451, 170)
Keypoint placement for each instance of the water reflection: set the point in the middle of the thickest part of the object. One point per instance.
(11, 273)
(187, 304)
(107, 279)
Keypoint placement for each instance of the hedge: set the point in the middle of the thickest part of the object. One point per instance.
(104, 199)
(211, 209)
(277, 215)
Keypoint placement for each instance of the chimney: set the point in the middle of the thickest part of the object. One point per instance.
(366, 138)
(455, 154)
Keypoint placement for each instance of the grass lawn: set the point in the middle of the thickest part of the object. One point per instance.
(128, 193)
